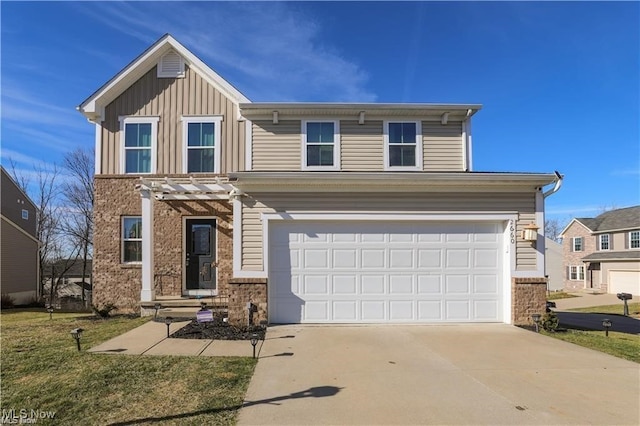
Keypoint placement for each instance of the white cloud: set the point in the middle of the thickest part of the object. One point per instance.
(274, 50)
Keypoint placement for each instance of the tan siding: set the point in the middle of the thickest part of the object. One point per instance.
(418, 203)
(362, 146)
(442, 146)
(170, 99)
(276, 146)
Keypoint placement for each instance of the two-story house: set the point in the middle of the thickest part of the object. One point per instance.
(309, 212)
(19, 258)
(602, 254)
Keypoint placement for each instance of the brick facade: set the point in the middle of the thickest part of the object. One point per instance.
(119, 283)
(528, 296)
(574, 258)
(243, 291)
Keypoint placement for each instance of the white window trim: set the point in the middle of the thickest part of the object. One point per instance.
(600, 242)
(25, 214)
(217, 142)
(633, 248)
(336, 145)
(573, 244)
(123, 239)
(154, 141)
(419, 162)
(580, 273)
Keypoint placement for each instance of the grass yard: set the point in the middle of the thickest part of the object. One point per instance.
(621, 345)
(43, 370)
(559, 295)
(618, 308)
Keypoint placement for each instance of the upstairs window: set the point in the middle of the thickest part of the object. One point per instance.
(201, 137)
(321, 147)
(131, 239)
(403, 145)
(634, 239)
(139, 144)
(25, 214)
(577, 243)
(603, 242)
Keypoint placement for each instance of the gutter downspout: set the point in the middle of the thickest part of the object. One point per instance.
(552, 191)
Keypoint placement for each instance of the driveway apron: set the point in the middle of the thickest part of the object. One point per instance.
(453, 374)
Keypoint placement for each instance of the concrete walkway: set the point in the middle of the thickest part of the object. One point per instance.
(585, 300)
(452, 374)
(151, 339)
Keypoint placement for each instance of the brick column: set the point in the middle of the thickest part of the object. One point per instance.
(528, 296)
(242, 291)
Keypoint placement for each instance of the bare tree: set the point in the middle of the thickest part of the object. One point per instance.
(553, 228)
(78, 193)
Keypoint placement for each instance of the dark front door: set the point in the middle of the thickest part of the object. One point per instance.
(200, 256)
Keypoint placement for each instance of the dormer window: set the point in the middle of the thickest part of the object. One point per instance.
(402, 145)
(171, 65)
(321, 145)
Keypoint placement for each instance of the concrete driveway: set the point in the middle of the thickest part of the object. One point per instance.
(455, 374)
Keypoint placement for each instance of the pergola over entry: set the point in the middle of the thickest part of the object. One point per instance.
(168, 189)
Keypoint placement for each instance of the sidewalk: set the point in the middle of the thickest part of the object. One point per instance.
(586, 300)
(151, 339)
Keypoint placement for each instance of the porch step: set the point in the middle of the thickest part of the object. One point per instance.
(183, 307)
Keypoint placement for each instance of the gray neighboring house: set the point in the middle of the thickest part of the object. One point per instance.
(72, 281)
(603, 253)
(554, 265)
(19, 272)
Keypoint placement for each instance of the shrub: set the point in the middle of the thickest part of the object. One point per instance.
(6, 301)
(550, 321)
(105, 310)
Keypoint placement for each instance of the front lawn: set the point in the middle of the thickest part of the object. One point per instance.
(634, 309)
(43, 370)
(560, 295)
(621, 345)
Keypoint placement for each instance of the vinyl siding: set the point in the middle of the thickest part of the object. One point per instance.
(18, 260)
(170, 99)
(276, 146)
(442, 146)
(418, 203)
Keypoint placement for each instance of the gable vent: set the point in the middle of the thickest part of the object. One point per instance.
(171, 65)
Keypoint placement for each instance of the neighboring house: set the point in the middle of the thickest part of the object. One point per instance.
(72, 283)
(555, 265)
(19, 276)
(603, 253)
(310, 212)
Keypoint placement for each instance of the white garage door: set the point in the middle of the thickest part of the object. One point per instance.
(368, 272)
(624, 282)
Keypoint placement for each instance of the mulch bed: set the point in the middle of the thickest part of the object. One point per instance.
(216, 329)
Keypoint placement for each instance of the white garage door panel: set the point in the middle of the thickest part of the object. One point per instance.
(624, 282)
(385, 272)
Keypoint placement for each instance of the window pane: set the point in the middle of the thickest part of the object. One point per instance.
(132, 227)
(402, 132)
(634, 239)
(138, 134)
(138, 161)
(132, 251)
(320, 132)
(200, 134)
(402, 155)
(320, 155)
(200, 160)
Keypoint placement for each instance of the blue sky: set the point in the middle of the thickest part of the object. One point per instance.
(559, 82)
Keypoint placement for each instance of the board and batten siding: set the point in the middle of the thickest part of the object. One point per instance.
(523, 203)
(278, 146)
(171, 99)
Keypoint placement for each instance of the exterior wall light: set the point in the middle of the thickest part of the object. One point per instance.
(168, 321)
(254, 342)
(536, 320)
(606, 323)
(530, 232)
(76, 333)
